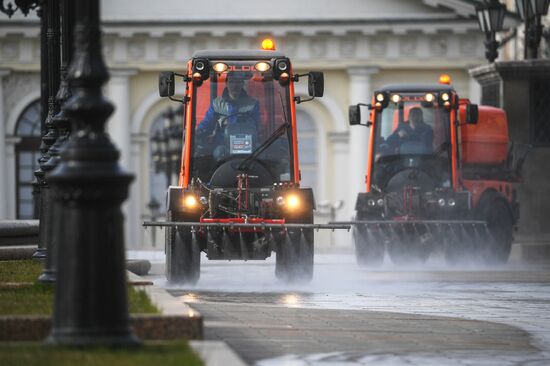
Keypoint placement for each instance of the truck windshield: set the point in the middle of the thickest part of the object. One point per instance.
(241, 115)
(412, 134)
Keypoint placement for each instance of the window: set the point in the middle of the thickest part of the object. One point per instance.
(307, 149)
(157, 177)
(27, 155)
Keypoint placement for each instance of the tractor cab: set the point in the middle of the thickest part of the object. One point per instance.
(412, 133)
(239, 194)
(437, 178)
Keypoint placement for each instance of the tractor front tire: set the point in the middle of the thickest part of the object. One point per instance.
(183, 260)
(369, 249)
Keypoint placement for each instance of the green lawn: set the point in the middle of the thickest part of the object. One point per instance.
(36, 298)
(152, 353)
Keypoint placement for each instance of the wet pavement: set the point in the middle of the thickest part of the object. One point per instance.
(428, 315)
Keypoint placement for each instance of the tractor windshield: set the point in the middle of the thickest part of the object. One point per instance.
(241, 119)
(412, 134)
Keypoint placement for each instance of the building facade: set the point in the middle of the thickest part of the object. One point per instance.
(360, 45)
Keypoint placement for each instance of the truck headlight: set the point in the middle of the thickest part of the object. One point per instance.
(451, 202)
(441, 202)
(371, 203)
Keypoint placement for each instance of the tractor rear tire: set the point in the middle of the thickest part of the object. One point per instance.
(500, 223)
(294, 257)
(369, 250)
(183, 254)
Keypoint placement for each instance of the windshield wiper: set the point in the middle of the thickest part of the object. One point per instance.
(260, 149)
(270, 140)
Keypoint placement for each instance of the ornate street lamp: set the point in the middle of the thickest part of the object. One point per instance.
(490, 16)
(24, 5)
(531, 12)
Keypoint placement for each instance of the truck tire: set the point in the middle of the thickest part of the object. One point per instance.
(183, 261)
(500, 223)
(294, 256)
(369, 249)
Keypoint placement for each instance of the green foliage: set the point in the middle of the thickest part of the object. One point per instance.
(151, 353)
(20, 271)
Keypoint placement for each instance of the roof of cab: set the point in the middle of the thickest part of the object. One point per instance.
(416, 88)
(237, 54)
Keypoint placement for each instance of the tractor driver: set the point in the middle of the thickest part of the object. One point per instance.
(232, 107)
(416, 136)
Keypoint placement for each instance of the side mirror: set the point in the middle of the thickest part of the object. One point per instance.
(166, 84)
(316, 84)
(472, 114)
(354, 112)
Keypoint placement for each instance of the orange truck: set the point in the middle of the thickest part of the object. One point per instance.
(441, 175)
(239, 194)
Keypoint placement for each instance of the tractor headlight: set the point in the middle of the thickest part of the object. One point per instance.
(396, 98)
(451, 202)
(371, 203)
(190, 201)
(429, 97)
(203, 200)
(380, 202)
(441, 202)
(263, 66)
(219, 67)
(280, 200)
(292, 201)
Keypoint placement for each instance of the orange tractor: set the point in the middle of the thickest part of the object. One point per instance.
(440, 175)
(239, 194)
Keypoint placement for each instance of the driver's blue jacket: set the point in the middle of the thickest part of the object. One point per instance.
(224, 111)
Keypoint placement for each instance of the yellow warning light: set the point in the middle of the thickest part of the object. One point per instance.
(268, 44)
(445, 79)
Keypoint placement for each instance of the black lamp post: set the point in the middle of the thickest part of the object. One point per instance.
(531, 12)
(490, 16)
(89, 187)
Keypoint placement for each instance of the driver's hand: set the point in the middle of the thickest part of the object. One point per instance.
(402, 133)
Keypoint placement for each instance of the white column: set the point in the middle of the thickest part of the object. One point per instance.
(3, 165)
(339, 142)
(360, 91)
(119, 125)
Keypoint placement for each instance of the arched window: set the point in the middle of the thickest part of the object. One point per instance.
(157, 179)
(27, 155)
(307, 149)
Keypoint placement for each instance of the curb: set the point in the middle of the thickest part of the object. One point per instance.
(216, 353)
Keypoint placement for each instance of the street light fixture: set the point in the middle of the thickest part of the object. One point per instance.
(531, 12)
(490, 16)
(24, 5)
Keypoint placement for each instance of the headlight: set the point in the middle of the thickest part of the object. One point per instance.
(371, 203)
(396, 98)
(200, 65)
(429, 97)
(380, 202)
(190, 201)
(282, 66)
(219, 67)
(441, 202)
(203, 200)
(292, 201)
(445, 97)
(451, 202)
(280, 200)
(380, 97)
(263, 66)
